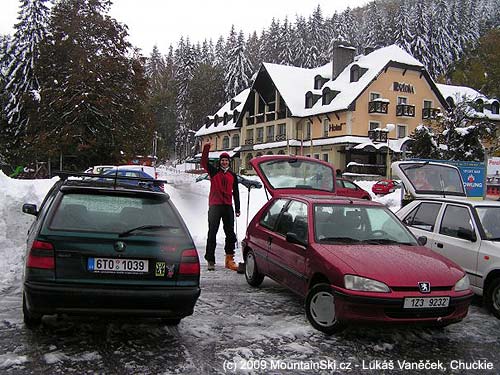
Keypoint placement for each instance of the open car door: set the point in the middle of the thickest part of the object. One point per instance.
(290, 174)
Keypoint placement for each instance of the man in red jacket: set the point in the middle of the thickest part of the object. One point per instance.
(223, 189)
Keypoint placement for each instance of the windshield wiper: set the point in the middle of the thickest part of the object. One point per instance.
(384, 241)
(146, 227)
(339, 239)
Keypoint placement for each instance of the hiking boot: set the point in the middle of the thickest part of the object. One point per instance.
(230, 262)
(211, 266)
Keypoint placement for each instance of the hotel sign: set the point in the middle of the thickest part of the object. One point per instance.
(403, 87)
(335, 127)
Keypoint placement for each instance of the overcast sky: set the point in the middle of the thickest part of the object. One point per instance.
(163, 22)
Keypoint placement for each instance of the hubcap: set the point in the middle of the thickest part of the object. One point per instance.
(495, 298)
(322, 309)
(250, 266)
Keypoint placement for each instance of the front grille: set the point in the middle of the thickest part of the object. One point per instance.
(416, 289)
(399, 313)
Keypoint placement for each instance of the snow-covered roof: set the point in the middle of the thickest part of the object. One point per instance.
(463, 93)
(293, 83)
(226, 108)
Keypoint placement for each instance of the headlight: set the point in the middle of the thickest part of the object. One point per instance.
(462, 284)
(363, 284)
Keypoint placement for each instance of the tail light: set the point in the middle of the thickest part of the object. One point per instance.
(190, 264)
(41, 255)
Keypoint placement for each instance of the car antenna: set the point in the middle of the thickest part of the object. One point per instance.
(441, 182)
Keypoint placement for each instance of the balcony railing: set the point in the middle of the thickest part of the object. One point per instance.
(281, 137)
(378, 107)
(259, 140)
(270, 116)
(249, 141)
(405, 110)
(430, 113)
(259, 118)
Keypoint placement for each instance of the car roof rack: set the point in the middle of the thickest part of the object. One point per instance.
(64, 175)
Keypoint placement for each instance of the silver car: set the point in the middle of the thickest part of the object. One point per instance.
(465, 231)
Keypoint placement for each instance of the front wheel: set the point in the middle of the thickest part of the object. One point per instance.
(320, 309)
(492, 297)
(30, 320)
(254, 278)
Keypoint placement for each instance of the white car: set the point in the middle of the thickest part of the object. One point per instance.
(98, 169)
(465, 231)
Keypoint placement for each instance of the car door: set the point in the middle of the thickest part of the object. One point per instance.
(421, 220)
(457, 238)
(262, 239)
(288, 259)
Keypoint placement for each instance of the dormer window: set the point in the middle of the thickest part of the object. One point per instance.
(235, 115)
(234, 104)
(216, 120)
(357, 72)
(208, 121)
(479, 105)
(495, 108)
(311, 99)
(225, 118)
(328, 95)
(450, 102)
(319, 81)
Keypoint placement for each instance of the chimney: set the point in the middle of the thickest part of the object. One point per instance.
(343, 55)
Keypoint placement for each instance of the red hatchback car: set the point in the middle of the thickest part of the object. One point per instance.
(385, 187)
(352, 259)
(347, 188)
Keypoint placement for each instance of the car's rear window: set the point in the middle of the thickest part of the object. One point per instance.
(112, 213)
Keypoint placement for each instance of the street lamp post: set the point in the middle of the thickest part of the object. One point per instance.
(388, 129)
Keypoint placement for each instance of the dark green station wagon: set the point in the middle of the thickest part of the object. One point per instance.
(108, 248)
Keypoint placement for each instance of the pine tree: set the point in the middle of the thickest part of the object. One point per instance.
(271, 43)
(463, 133)
(23, 83)
(317, 39)
(420, 31)
(300, 42)
(424, 143)
(440, 40)
(155, 70)
(403, 36)
(286, 53)
(253, 50)
(93, 88)
(239, 70)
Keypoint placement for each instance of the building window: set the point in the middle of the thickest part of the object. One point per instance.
(309, 100)
(401, 131)
(300, 133)
(270, 134)
(249, 140)
(235, 140)
(374, 125)
(308, 130)
(427, 104)
(281, 132)
(326, 126)
(402, 100)
(325, 157)
(316, 156)
(260, 135)
(495, 108)
(374, 95)
(225, 142)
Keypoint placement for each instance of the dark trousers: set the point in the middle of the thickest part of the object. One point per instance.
(215, 214)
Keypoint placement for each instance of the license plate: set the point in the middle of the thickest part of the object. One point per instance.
(117, 265)
(426, 302)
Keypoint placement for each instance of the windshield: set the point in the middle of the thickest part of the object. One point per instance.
(298, 174)
(432, 178)
(490, 220)
(335, 223)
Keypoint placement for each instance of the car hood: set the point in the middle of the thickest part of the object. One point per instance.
(398, 265)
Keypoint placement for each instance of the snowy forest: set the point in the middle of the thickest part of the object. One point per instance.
(73, 86)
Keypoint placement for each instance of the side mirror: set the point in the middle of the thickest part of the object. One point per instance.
(292, 238)
(30, 209)
(466, 234)
(422, 240)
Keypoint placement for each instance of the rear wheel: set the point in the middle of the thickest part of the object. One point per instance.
(492, 297)
(30, 320)
(320, 309)
(254, 278)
